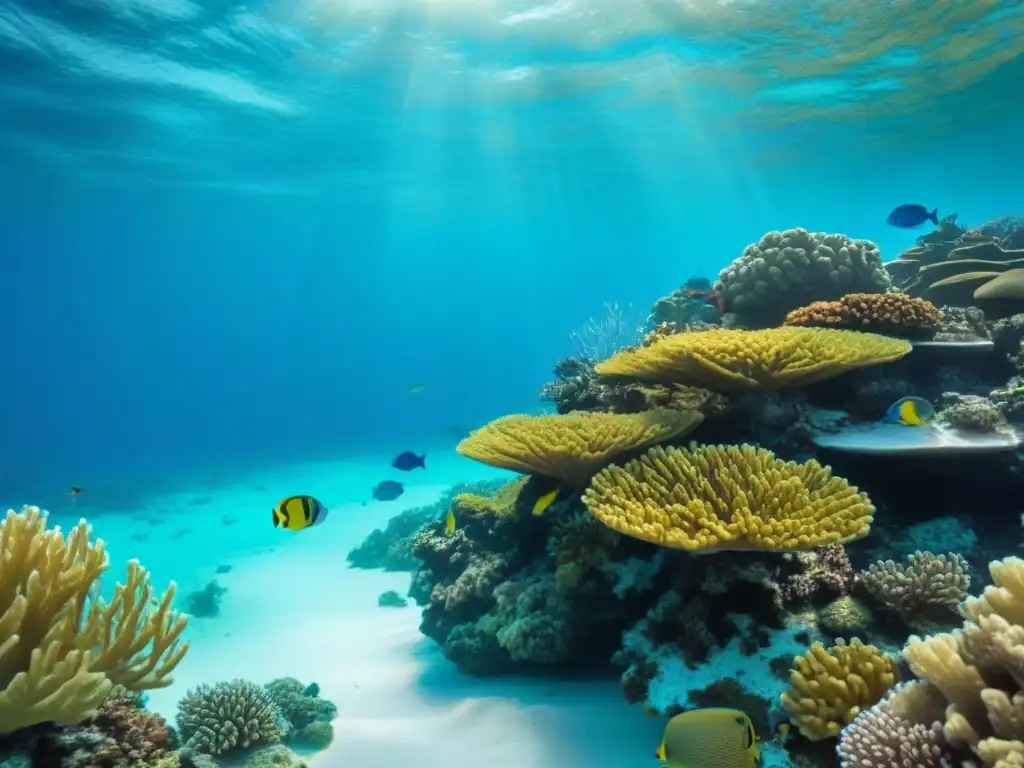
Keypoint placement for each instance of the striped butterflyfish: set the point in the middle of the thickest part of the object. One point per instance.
(298, 512)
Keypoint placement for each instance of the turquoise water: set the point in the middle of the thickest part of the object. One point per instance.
(234, 235)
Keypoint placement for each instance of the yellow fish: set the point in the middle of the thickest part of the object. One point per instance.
(911, 412)
(298, 512)
(449, 522)
(709, 738)
(545, 501)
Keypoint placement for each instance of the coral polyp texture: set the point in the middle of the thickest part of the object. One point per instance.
(831, 687)
(978, 669)
(892, 314)
(790, 269)
(61, 651)
(728, 498)
(572, 447)
(926, 592)
(730, 359)
(218, 718)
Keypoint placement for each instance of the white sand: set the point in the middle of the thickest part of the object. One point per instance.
(294, 608)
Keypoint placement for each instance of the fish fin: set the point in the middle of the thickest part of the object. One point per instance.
(934, 216)
(277, 523)
(423, 460)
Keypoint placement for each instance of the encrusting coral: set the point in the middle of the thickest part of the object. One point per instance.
(893, 314)
(831, 687)
(730, 359)
(215, 719)
(61, 651)
(572, 447)
(925, 592)
(728, 497)
(789, 269)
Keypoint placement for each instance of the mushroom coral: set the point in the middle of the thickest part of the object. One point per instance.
(61, 651)
(731, 359)
(728, 498)
(571, 447)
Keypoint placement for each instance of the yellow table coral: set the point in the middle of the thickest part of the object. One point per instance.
(571, 447)
(61, 651)
(728, 497)
(831, 687)
(731, 359)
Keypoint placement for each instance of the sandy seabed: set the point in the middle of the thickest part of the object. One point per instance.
(294, 608)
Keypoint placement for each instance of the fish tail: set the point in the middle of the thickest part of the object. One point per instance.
(422, 460)
(934, 216)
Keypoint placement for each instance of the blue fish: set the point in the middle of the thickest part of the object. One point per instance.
(911, 412)
(388, 490)
(912, 215)
(408, 461)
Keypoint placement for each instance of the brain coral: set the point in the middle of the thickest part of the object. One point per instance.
(571, 447)
(727, 497)
(215, 719)
(789, 269)
(831, 687)
(894, 314)
(730, 359)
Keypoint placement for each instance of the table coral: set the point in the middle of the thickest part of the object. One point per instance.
(730, 359)
(728, 497)
(60, 651)
(831, 687)
(789, 269)
(219, 718)
(573, 446)
(892, 314)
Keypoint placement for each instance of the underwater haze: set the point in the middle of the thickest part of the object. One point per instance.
(244, 229)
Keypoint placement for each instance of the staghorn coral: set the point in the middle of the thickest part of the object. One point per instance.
(925, 592)
(727, 497)
(893, 314)
(728, 359)
(216, 719)
(789, 269)
(60, 651)
(903, 730)
(831, 687)
(978, 669)
(572, 447)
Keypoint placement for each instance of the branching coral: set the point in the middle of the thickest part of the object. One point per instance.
(903, 730)
(730, 359)
(788, 269)
(925, 592)
(60, 651)
(831, 687)
(728, 497)
(980, 670)
(215, 719)
(573, 446)
(893, 314)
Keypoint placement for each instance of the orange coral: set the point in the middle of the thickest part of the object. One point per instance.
(893, 314)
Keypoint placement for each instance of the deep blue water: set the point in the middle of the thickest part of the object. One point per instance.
(237, 233)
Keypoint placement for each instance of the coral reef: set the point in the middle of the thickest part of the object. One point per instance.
(726, 359)
(685, 306)
(306, 716)
(226, 716)
(61, 651)
(892, 314)
(790, 269)
(727, 497)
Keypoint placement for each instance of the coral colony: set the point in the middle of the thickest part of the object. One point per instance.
(675, 518)
(699, 542)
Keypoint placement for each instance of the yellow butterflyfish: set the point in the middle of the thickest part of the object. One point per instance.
(709, 738)
(449, 522)
(298, 512)
(545, 501)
